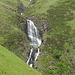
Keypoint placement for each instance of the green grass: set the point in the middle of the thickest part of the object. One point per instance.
(57, 47)
(41, 6)
(13, 3)
(12, 65)
(12, 35)
(25, 2)
(9, 3)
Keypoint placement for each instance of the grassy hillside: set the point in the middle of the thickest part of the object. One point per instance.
(57, 55)
(12, 65)
(58, 49)
(12, 24)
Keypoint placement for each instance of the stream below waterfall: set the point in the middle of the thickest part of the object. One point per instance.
(35, 41)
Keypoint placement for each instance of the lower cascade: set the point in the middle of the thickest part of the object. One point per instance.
(35, 41)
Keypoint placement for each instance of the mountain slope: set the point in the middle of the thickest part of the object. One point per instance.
(58, 48)
(12, 35)
(55, 21)
(12, 65)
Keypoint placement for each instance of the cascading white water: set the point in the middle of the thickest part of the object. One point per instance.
(33, 34)
(35, 41)
(30, 55)
(37, 54)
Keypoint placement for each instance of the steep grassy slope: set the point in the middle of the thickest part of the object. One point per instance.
(12, 65)
(12, 34)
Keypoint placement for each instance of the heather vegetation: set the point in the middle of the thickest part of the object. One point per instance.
(12, 34)
(58, 45)
(58, 48)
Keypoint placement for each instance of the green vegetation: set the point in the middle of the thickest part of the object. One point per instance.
(57, 49)
(12, 35)
(9, 3)
(57, 54)
(58, 41)
(40, 7)
(12, 65)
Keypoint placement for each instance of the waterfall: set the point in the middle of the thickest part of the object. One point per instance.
(33, 34)
(30, 55)
(35, 41)
(37, 54)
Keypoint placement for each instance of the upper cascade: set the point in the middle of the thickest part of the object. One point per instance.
(33, 34)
